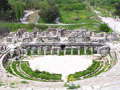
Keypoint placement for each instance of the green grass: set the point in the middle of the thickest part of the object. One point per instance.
(42, 52)
(1, 84)
(29, 52)
(61, 52)
(68, 11)
(8, 68)
(89, 70)
(48, 53)
(13, 26)
(106, 9)
(24, 82)
(55, 52)
(77, 9)
(102, 70)
(15, 63)
(68, 51)
(43, 75)
(103, 12)
(41, 20)
(35, 52)
(84, 16)
(81, 51)
(75, 52)
(89, 51)
(12, 83)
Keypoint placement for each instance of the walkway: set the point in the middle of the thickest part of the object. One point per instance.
(112, 23)
(109, 80)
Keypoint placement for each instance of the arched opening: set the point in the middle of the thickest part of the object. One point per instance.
(62, 47)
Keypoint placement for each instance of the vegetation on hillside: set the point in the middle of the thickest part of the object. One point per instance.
(11, 10)
(50, 13)
(117, 6)
(104, 28)
(105, 6)
(95, 65)
(43, 75)
(69, 11)
(14, 9)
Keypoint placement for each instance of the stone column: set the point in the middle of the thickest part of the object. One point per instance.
(18, 52)
(22, 51)
(32, 50)
(78, 50)
(39, 50)
(95, 48)
(26, 51)
(45, 50)
(58, 51)
(98, 50)
(8, 56)
(65, 51)
(52, 49)
(85, 50)
(91, 50)
(29, 49)
(11, 53)
(71, 50)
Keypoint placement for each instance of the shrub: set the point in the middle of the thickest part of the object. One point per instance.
(73, 86)
(78, 86)
(42, 27)
(24, 82)
(12, 83)
(30, 26)
(1, 83)
(66, 85)
(104, 27)
(50, 13)
(37, 72)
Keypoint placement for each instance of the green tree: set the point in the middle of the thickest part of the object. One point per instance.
(18, 8)
(4, 5)
(104, 28)
(50, 13)
(117, 6)
(5, 10)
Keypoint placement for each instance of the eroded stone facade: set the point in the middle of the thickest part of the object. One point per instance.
(57, 39)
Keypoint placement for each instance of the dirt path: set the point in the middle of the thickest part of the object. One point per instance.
(112, 23)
